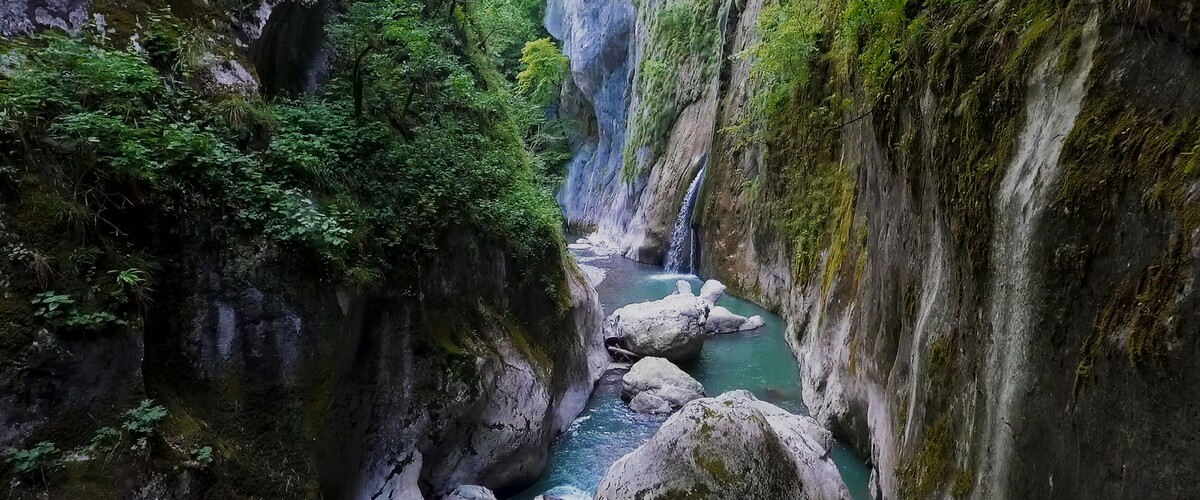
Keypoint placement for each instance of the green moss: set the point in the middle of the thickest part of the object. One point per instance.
(679, 61)
(943, 363)
(1142, 313)
(1113, 144)
(699, 492)
(532, 352)
(964, 484)
(715, 467)
(923, 476)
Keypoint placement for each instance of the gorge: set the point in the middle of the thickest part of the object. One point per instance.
(318, 248)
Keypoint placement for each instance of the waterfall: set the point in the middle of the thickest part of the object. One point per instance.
(683, 239)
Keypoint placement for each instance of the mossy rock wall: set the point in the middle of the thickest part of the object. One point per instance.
(872, 215)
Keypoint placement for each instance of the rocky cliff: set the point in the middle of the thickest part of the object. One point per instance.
(980, 220)
(463, 378)
(276, 376)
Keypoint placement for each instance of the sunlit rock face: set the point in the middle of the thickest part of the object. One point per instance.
(596, 36)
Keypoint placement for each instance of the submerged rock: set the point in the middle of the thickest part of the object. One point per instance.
(655, 385)
(471, 492)
(670, 328)
(730, 446)
(722, 320)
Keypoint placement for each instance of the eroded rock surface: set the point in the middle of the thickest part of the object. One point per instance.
(671, 328)
(722, 320)
(730, 446)
(655, 385)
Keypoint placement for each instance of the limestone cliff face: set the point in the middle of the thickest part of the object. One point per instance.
(463, 378)
(462, 375)
(468, 385)
(652, 80)
(595, 36)
(1002, 303)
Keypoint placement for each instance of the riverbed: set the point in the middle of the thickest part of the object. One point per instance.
(758, 361)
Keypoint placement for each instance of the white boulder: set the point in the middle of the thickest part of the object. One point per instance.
(670, 328)
(683, 288)
(646, 402)
(654, 382)
(722, 320)
(471, 492)
(711, 292)
(730, 446)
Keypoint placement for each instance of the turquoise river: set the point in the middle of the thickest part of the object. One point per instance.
(758, 361)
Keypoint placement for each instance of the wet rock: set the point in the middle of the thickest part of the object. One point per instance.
(730, 446)
(684, 288)
(471, 492)
(649, 403)
(670, 328)
(711, 292)
(653, 383)
(722, 320)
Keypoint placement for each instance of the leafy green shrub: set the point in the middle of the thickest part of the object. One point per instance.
(43, 457)
(415, 133)
(52, 306)
(105, 438)
(142, 422)
(202, 456)
(61, 310)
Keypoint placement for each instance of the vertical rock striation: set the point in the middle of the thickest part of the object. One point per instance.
(998, 296)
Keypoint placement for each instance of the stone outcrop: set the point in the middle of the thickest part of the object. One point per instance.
(482, 412)
(23, 17)
(934, 281)
(711, 292)
(722, 320)
(255, 351)
(675, 326)
(655, 385)
(471, 492)
(671, 328)
(730, 446)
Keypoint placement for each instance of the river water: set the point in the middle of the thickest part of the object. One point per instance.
(758, 361)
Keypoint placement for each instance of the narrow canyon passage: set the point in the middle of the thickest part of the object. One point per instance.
(758, 361)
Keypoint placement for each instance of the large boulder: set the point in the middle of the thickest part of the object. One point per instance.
(671, 328)
(722, 320)
(655, 385)
(730, 446)
(711, 292)
(471, 492)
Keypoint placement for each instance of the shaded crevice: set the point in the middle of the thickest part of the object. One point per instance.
(291, 55)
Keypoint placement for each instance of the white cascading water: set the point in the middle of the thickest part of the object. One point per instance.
(681, 257)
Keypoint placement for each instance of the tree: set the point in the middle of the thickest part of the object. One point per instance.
(543, 68)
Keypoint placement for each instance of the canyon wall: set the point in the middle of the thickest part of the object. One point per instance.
(300, 384)
(985, 242)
